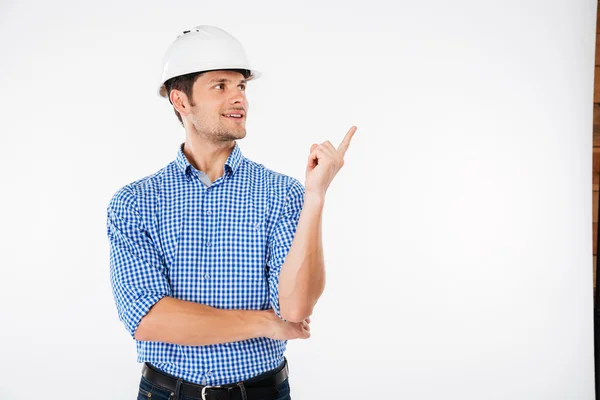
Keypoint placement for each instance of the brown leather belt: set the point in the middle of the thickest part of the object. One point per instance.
(259, 387)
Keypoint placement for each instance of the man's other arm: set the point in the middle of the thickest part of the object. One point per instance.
(171, 320)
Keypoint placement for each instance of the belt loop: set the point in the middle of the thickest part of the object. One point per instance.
(175, 394)
(243, 390)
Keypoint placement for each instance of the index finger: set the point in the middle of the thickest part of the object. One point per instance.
(343, 147)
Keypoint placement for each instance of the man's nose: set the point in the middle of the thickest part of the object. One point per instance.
(238, 97)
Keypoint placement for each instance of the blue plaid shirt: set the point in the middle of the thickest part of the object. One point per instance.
(221, 245)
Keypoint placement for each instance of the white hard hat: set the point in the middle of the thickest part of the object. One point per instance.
(203, 48)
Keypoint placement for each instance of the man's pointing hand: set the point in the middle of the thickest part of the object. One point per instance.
(324, 162)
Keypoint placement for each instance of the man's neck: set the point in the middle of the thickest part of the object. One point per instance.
(208, 157)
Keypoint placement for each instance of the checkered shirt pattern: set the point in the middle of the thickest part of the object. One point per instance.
(221, 245)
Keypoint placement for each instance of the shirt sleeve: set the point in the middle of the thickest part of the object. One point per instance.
(137, 276)
(281, 239)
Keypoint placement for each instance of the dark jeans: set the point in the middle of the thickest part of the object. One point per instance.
(149, 391)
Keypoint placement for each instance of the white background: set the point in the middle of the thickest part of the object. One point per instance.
(457, 236)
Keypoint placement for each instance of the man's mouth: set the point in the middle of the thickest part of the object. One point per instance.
(237, 117)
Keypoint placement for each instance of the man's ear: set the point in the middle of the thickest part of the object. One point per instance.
(179, 101)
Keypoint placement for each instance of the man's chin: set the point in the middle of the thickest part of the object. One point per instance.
(240, 134)
(235, 135)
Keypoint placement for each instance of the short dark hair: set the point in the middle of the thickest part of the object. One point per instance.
(185, 83)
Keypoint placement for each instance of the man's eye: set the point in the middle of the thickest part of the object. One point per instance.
(242, 86)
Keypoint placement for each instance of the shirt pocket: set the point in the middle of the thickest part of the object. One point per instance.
(253, 239)
(242, 279)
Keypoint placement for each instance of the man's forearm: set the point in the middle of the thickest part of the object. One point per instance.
(187, 323)
(302, 276)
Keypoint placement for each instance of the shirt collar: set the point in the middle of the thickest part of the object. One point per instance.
(231, 165)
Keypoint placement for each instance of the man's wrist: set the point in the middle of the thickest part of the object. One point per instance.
(260, 323)
(314, 199)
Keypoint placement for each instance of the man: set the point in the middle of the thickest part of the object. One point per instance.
(215, 260)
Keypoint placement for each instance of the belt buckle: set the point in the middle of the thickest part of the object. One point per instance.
(207, 387)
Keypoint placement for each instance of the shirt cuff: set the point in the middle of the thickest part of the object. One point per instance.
(138, 309)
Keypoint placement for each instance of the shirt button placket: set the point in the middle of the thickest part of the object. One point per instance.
(207, 243)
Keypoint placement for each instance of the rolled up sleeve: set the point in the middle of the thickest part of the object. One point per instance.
(137, 276)
(281, 239)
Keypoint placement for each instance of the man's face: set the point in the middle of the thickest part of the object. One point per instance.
(217, 95)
